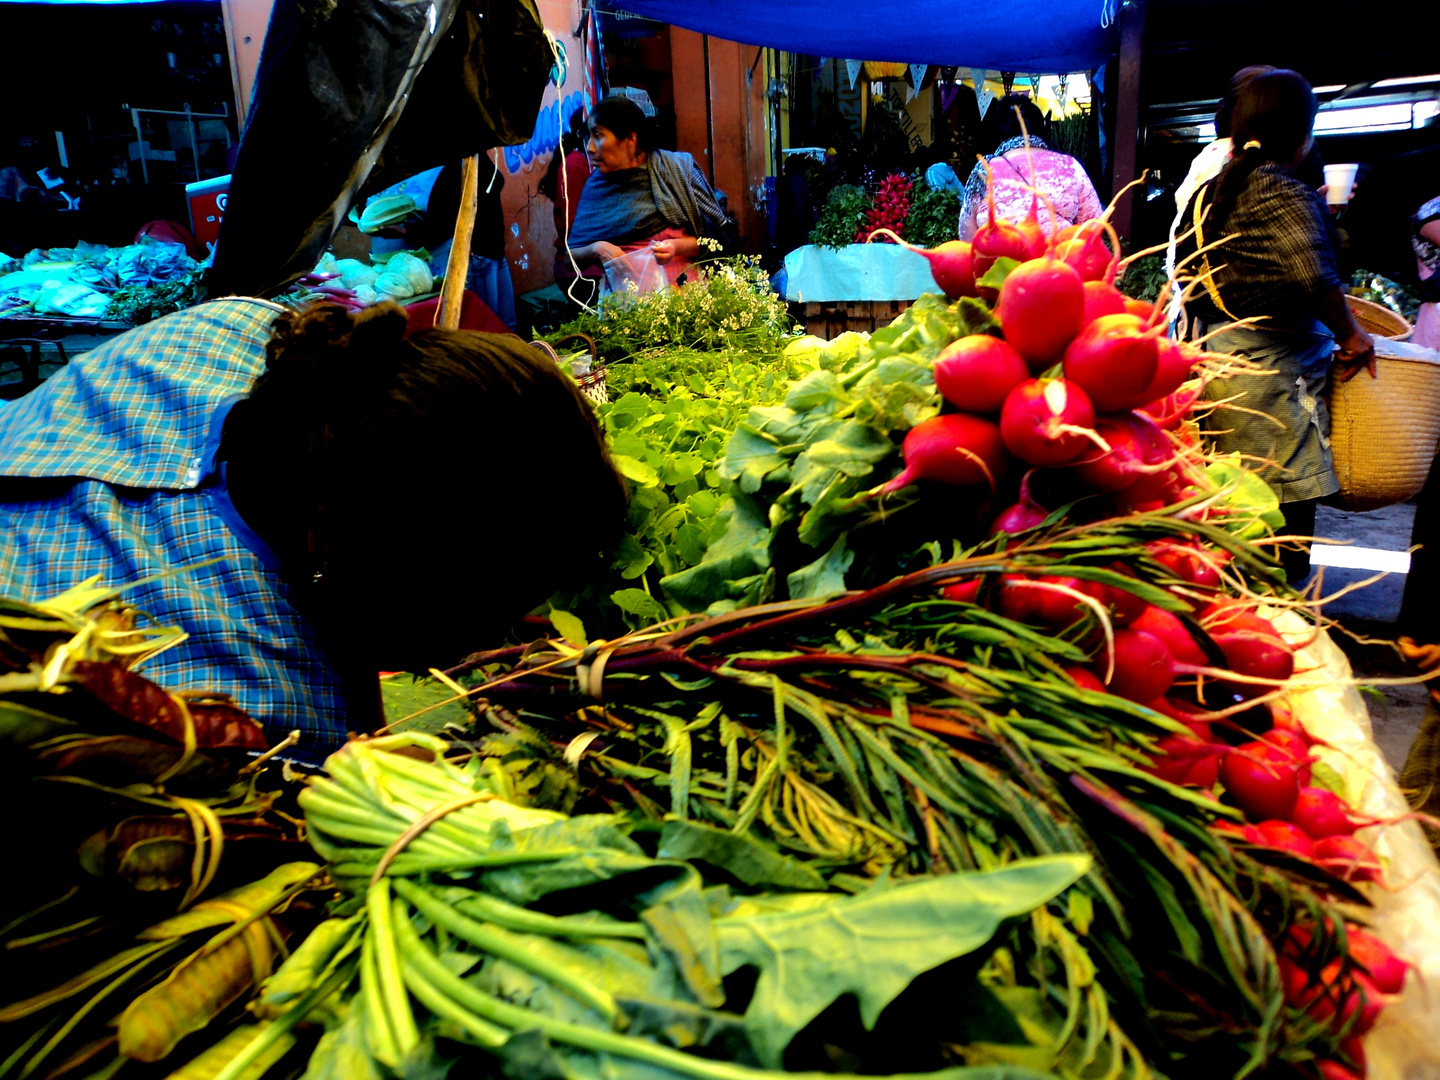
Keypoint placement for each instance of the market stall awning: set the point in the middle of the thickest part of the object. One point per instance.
(1004, 35)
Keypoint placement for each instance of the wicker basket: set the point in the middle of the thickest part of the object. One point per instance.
(1377, 320)
(1384, 432)
(589, 372)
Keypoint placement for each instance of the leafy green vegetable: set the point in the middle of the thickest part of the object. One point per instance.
(138, 304)
(874, 944)
(843, 214)
(1145, 278)
(934, 214)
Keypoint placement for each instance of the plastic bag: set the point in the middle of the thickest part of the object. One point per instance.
(152, 262)
(68, 298)
(482, 87)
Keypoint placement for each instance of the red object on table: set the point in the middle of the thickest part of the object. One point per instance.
(475, 314)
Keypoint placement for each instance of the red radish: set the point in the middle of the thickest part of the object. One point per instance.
(996, 239)
(1347, 858)
(976, 372)
(1141, 309)
(1038, 600)
(1172, 633)
(1255, 655)
(1101, 299)
(1261, 779)
(950, 264)
(1199, 728)
(1321, 813)
(1187, 563)
(1283, 835)
(1169, 411)
(1041, 308)
(1085, 679)
(1386, 970)
(1187, 761)
(965, 591)
(1351, 1003)
(1353, 1048)
(1122, 465)
(1113, 360)
(1127, 606)
(1083, 247)
(1330, 1069)
(1024, 515)
(1144, 668)
(1173, 366)
(1046, 422)
(957, 449)
(1296, 747)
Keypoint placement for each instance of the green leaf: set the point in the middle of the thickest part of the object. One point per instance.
(640, 603)
(1254, 509)
(631, 559)
(1328, 777)
(741, 552)
(823, 577)
(740, 855)
(874, 944)
(996, 275)
(570, 628)
(633, 469)
(817, 389)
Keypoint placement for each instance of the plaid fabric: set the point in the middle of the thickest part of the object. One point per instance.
(1280, 255)
(117, 455)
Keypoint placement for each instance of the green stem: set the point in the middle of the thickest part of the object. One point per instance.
(500, 943)
(387, 965)
(436, 1001)
(378, 1036)
(513, 917)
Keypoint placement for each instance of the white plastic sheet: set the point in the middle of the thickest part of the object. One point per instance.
(856, 272)
(1405, 1043)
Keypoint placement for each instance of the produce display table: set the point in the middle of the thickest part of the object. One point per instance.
(1405, 1044)
(861, 287)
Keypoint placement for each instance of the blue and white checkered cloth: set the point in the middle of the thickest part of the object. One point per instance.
(109, 468)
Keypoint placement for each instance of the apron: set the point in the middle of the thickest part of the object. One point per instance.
(1294, 431)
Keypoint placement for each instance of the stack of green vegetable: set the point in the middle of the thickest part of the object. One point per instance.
(600, 945)
(129, 804)
(920, 213)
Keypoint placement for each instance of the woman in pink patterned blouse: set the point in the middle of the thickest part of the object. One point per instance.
(1059, 177)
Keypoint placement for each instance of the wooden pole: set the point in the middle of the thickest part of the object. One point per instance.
(452, 290)
(1127, 110)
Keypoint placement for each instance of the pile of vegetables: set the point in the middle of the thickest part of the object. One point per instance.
(397, 276)
(161, 878)
(906, 205)
(133, 284)
(933, 720)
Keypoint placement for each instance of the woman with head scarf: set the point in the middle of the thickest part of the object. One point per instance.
(1021, 165)
(641, 196)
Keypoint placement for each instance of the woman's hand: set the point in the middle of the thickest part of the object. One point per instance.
(1355, 350)
(601, 251)
(683, 247)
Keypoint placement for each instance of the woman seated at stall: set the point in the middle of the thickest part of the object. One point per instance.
(640, 196)
(1021, 165)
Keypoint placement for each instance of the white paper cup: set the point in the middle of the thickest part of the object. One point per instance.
(1339, 182)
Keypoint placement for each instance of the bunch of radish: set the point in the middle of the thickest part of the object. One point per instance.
(890, 208)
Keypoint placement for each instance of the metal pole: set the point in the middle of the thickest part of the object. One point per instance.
(194, 146)
(140, 144)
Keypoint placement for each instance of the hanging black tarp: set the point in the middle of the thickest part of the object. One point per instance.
(367, 90)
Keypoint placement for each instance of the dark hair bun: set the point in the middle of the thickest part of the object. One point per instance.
(308, 341)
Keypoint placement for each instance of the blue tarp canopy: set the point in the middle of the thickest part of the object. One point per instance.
(1000, 35)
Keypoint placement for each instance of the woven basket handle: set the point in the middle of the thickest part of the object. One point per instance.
(595, 362)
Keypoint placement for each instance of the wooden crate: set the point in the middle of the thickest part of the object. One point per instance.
(832, 318)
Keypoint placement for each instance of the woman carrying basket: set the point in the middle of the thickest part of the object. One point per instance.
(1274, 295)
